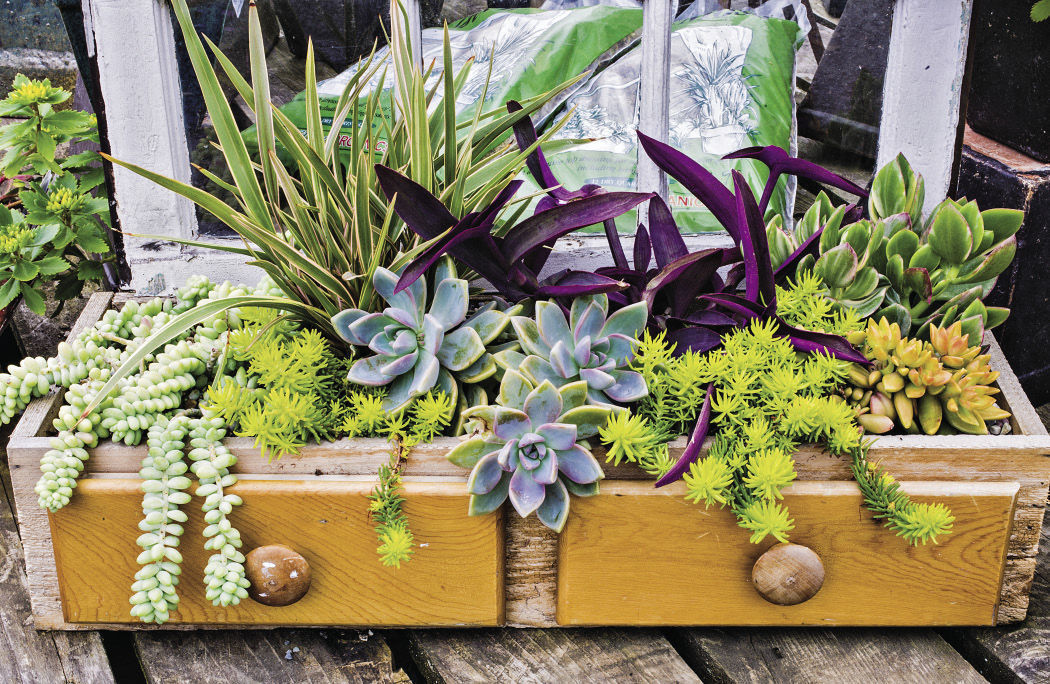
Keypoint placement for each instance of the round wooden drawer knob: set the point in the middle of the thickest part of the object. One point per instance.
(279, 575)
(788, 574)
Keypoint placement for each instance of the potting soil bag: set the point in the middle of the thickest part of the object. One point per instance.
(732, 84)
(530, 51)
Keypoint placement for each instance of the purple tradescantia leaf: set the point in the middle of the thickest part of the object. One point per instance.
(758, 283)
(612, 236)
(455, 235)
(525, 136)
(428, 218)
(643, 249)
(419, 209)
(693, 339)
(689, 274)
(696, 442)
(737, 304)
(489, 213)
(667, 241)
(780, 162)
(854, 213)
(578, 283)
(707, 318)
(698, 180)
(734, 277)
(812, 341)
(809, 246)
(538, 229)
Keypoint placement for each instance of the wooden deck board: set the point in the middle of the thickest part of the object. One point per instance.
(283, 655)
(526, 656)
(823, 655)
(1018, 652)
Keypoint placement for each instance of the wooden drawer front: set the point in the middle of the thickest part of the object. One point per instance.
(635, 555)
(456, 579)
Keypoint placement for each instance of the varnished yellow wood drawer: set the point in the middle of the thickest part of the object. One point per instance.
(635, 555)
(455, 579)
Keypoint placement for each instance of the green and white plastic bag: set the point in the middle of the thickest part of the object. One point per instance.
(732, 86)
(530, 52)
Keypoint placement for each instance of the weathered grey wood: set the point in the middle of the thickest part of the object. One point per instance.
(283, 655)
(653, 85)
(922, 93)
(1020, 652)
(139, 80)
(27, 655)
(822, 655)
(547, 655)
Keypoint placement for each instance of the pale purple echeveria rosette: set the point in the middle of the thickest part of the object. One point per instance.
(531, 454)
(588, 346)
(419, 349)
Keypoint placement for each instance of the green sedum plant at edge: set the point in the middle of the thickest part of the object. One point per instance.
(60, 232)
(916, 272)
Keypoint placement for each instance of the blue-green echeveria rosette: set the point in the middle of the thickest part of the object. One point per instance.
(531, 451)
(419, 348)
(589, 346)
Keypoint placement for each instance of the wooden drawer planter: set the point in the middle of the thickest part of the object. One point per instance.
(633, 555)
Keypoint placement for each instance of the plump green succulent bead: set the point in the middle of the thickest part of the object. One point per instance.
(224, 575)
(154, 597)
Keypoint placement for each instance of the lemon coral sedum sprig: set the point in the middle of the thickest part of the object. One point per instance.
(767, 400)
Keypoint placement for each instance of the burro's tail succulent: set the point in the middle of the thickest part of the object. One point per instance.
(588, 346)
(530, 449)
(916, 272)
(418, 348)
(936, 386)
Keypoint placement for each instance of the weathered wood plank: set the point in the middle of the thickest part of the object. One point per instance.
(27, 655)
(923, 91)
(735, 656)
(284, 655)
(531, 571)
(32, 521)
(1020, 652)
(653, 87)
(546, 655)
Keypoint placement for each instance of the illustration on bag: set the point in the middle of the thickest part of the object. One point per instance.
(710, 97)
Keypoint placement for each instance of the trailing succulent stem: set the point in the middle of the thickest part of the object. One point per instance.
(224, 580)
(163, 484)
(916, 523)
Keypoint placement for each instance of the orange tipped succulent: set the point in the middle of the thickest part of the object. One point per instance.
(920, 386)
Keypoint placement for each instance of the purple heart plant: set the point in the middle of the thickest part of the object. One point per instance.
(510, 260)
(529, 448)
